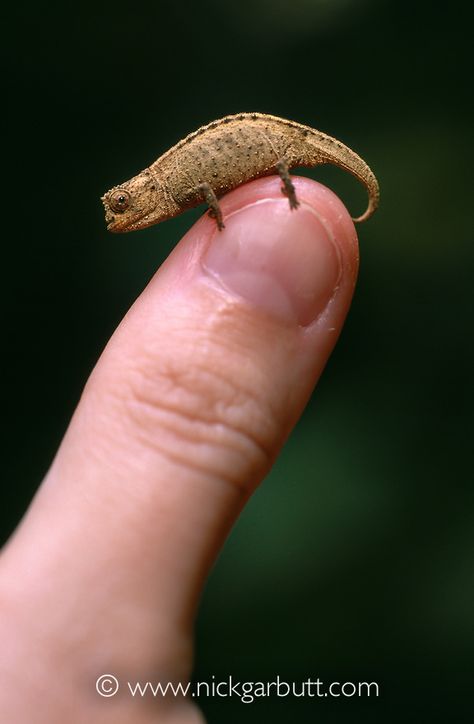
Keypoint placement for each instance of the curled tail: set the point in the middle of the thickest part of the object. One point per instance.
(372, 186)
(326, 149)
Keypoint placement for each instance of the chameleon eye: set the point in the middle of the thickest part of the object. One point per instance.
(119, 201)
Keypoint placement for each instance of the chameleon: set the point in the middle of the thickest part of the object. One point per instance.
(219, 157)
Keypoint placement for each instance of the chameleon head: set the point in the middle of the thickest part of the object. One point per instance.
(131, 205)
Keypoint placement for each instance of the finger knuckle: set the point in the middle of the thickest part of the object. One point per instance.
(203, 416)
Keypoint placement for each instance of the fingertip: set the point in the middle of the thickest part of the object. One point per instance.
(204, 241)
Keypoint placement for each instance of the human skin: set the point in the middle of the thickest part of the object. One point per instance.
(180, 420)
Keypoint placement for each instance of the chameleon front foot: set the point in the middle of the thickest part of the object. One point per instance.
(211, 200)
(287, 189)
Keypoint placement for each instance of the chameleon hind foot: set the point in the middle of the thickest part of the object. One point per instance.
(211, 200)
(287, 189)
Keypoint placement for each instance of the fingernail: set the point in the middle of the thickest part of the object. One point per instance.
(284, 262)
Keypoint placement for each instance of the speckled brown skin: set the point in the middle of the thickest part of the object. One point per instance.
(222, 155)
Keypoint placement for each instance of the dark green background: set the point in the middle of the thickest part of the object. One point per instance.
(354, 560)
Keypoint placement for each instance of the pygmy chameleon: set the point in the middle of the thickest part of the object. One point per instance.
(222, 155)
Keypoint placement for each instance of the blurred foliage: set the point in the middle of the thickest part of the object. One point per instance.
(354, 559)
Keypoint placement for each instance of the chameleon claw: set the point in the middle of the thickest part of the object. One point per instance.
(288, 188)
(210, 198)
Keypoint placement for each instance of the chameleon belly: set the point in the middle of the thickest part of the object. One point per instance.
(225, 157)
